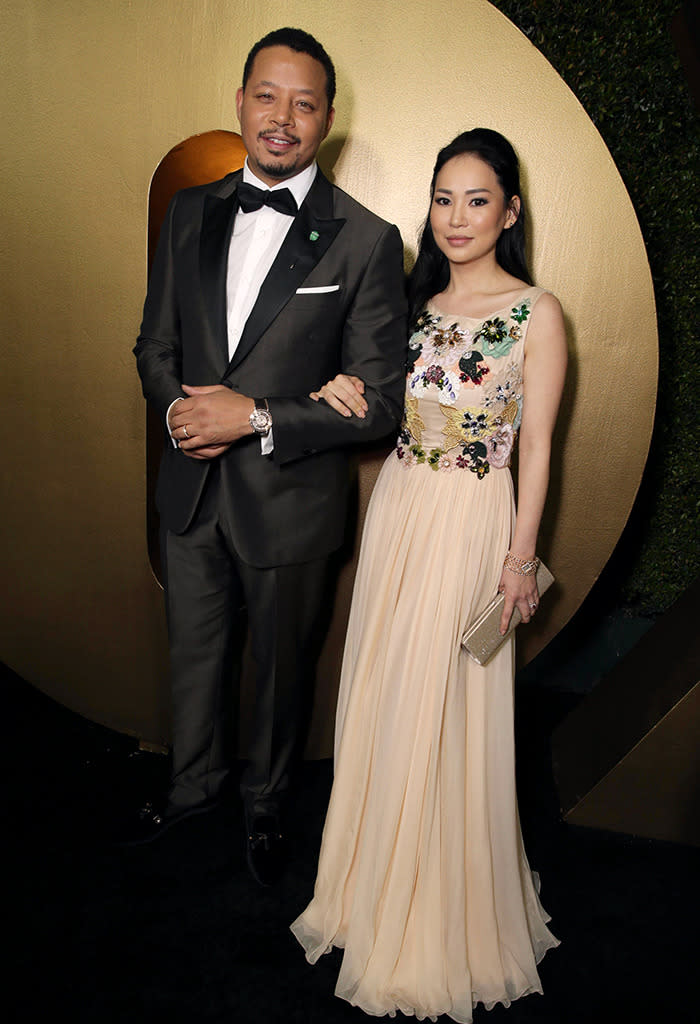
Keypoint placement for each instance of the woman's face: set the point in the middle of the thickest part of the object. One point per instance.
(468, 211)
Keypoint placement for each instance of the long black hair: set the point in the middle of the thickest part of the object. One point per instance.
(431, 272)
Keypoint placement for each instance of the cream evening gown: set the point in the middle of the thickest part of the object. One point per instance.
(422, 876)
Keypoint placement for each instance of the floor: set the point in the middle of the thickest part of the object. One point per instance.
(177, 931)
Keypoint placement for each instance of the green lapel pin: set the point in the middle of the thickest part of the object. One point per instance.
(313, 237)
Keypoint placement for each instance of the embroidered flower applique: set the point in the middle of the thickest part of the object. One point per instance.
(499, 445)
(408, 458)
(415, 347)
(473, 457)
(522, 312)
(445, 358)
(504, 388)
(464, 425)
(495, 337)
(437, 378)
(474, 423)
(472, 369)
(444, 346)
(427, 322)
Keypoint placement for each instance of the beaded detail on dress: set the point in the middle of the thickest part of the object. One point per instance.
(464, 377)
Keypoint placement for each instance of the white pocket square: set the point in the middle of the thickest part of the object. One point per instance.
(322, 290)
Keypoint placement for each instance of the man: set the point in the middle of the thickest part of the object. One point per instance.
(250, 308)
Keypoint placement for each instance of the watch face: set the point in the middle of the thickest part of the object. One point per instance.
(260, 421)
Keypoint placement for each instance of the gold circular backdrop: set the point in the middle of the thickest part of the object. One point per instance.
(123, 87)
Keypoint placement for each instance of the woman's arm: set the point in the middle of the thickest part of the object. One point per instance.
(543, 382)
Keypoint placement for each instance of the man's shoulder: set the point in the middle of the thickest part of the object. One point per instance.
(222, 188)
(345, 205)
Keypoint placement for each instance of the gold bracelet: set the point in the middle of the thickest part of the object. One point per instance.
(521, 566)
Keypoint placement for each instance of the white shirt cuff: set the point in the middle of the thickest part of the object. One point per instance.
(267, 443)
(167, 420)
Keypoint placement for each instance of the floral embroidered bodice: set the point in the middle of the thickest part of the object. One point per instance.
(464, 379)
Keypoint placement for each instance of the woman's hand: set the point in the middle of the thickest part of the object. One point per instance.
(521, 592)
(344, 394)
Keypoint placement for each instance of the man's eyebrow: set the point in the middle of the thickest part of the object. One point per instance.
(275, 85)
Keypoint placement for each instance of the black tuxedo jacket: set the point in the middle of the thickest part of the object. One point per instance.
(288, 507)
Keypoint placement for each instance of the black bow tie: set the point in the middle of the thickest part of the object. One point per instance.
(251, 198)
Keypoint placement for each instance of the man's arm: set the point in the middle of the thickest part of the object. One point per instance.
(373, 349)
(158, 348)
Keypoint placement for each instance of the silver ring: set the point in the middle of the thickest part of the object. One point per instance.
(185, 429)
(533, 607)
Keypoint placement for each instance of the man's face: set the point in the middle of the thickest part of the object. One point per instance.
(283, 112)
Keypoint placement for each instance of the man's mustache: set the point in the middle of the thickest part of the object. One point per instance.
(284, 135)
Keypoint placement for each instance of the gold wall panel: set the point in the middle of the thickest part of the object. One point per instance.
(653, 790)
(627, 757)
(95, 95)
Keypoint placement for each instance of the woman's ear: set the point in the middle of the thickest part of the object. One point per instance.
(513, 212)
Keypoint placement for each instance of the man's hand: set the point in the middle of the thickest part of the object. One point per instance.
(209, 420)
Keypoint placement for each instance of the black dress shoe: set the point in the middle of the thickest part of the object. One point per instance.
(151, 822)
(265, 849)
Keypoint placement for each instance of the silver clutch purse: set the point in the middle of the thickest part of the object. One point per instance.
(481, 639)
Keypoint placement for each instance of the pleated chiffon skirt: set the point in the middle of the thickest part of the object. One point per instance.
(422, 878)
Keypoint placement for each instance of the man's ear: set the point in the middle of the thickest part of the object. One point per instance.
(329, 121)
(239, 101)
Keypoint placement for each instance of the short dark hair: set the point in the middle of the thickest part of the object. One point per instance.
(301, 42)
(431, 271)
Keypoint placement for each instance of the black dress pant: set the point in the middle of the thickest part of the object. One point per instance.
(206, 587)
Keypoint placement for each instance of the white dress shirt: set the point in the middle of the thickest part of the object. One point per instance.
(257, 238)
(255, 241)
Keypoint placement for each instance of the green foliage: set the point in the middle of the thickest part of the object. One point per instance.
(619, 59)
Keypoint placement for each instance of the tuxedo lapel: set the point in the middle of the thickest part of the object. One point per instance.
(217, 224)
(311, 234)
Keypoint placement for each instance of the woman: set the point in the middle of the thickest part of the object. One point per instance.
(422, 875)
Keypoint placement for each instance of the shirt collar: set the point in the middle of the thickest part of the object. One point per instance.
(298, 185)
